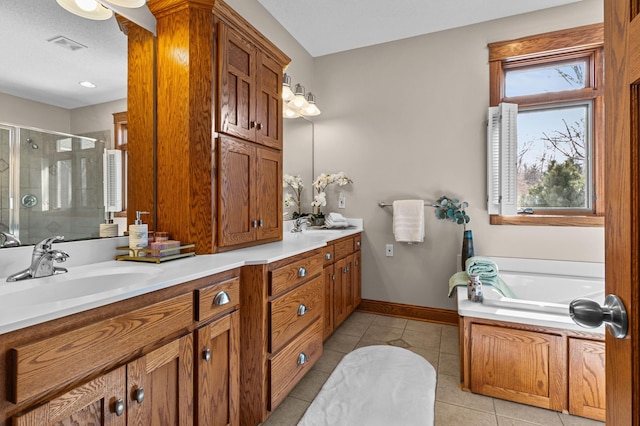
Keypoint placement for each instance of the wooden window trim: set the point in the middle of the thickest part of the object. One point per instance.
(576, 43)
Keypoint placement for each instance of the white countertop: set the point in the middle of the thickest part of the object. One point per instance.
(30, 302)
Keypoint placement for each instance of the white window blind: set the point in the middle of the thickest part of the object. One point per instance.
(502, 148)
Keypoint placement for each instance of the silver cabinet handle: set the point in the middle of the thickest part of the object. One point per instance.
(358, 243)
(260, 223)
(302, 358)
(254, 223)
(252, 124)
(118, 407)
(302, 272)
(206, 354)
(302, 310)
(259, 126)
(221, 298)
(333, 277)
(345, 270)
(138, 395)
(327, 256)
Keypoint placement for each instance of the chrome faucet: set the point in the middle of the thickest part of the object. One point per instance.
(42, 261)
(8, 240)
(299, 224)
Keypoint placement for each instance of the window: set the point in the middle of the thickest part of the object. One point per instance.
(551, 171)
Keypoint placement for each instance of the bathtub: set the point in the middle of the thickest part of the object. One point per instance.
(527, 349)
(543, 289)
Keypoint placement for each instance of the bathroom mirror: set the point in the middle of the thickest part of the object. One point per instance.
(299, 159)
(54, 129)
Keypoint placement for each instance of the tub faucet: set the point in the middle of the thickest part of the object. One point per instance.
(42, 261)
(299, 224)
(8, 240)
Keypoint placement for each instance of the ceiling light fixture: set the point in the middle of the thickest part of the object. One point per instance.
(87, 84)
(128, 3)
(295, 103)
(89, 9)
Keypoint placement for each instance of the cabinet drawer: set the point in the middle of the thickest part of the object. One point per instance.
(211, 300)
(292, 363)
(344, 248)
(288, 276)
(328, 254)
(357, 242)
(53, 362)
(293, 312)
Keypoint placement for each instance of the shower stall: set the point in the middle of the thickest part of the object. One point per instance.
(50, 183)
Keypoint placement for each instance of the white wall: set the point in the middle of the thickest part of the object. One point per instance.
(95, 118)
(23, 112)
(407, 119)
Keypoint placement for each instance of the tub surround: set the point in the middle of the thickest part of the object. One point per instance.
(127, 275)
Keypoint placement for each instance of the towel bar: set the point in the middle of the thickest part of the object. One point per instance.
(385, 204)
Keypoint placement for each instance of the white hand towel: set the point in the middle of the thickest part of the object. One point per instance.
(408, 221)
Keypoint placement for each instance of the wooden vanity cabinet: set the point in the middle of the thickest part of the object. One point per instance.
(342, 278)
(131, 362)
(251, 179)
(281, 329)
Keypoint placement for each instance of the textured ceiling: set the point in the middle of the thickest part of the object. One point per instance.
(33, 68)
(329, 26)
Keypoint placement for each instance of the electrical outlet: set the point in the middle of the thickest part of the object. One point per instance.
(342, 202)
(389, 250)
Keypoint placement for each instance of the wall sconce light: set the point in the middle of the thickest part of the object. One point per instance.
(296, 104)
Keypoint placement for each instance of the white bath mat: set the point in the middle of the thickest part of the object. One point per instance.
(376, 385)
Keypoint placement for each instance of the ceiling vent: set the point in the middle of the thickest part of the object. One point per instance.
(67, 43)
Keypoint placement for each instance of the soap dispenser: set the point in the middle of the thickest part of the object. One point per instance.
(139, 234)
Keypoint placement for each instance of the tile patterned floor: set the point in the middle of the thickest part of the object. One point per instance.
(438, 344)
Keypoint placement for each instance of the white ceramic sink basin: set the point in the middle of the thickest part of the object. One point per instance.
(85, 282)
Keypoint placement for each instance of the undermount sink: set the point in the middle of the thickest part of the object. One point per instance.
(84, 282)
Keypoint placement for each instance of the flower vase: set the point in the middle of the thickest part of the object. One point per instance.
(467, 248)
(318, 220)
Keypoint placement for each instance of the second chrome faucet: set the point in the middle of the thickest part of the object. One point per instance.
(42, 261)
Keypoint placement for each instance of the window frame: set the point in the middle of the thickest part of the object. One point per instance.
(559, 46)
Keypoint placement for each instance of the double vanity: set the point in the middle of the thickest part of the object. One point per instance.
(212, 339)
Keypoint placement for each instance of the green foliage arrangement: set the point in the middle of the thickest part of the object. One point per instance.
(452, 209)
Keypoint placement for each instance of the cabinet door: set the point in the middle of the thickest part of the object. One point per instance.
(329, 278)
(341, 292)
(101, 401)
(269, 102)
(587, 379)
(236, 200)
(269, 194)
(160, 385)
(218, 377)
(236, 87)
(535, 362)
(357, 278)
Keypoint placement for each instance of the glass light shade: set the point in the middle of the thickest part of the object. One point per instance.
(128, 3)
(287, 93)
(299, 101)
(84, 9)
(311, 109)
(288, 112)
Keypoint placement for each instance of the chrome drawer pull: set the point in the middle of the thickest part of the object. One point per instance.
(358, 243)
(221, 298)
(302, 310)
(138, 395)
(302, 272)
(327, 256)
(259, 126)
(302, 358)
(254, 223)
(261, 223)
(119, 407)
(206, 354)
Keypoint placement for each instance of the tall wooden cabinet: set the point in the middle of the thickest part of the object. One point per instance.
(226, 86)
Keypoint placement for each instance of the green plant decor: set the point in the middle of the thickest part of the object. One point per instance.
(452, 209)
